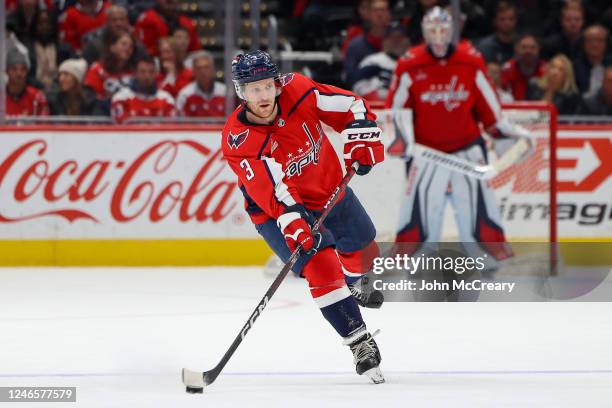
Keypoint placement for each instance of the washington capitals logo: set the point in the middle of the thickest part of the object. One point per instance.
(285, 79)
(234, 141)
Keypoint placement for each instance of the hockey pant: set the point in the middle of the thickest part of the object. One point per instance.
(476, 214)
(346, 253)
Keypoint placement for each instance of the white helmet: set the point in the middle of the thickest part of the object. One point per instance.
(437, 26)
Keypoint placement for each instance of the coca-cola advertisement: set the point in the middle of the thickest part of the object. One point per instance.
(106, 184)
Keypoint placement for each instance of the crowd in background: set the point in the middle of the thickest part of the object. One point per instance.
(136, 58)
(89, 59)
(553, 51)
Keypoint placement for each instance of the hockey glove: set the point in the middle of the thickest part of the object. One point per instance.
(362, 145)
(507, 136)
(295, 225)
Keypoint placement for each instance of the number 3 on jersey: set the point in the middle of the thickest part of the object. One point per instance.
(247, 167)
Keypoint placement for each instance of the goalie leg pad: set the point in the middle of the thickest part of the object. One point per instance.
(476, 212)
(422, 208)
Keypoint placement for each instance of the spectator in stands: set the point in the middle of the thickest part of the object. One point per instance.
(557, 86)
(180, 36)
(494, 70)
(589, 66)
(173, 75)
(81, 18)
(526, 64)
(12, 42)
(358, 26)
(22, 20)
(420, 8)
(370, 42)
(567, 41)
(46, 52)
(375, 71)
(142, 98)
(21, 98)
(161, 21)
(601, 102)
(204, 96)
(95, 41)
(115, 69)
(69, 97)
(499, 46)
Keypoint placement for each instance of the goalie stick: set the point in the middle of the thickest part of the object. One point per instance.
(469, 168)
(404, 136)
(195, 381)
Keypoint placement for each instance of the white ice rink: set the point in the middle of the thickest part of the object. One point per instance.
(121, 337)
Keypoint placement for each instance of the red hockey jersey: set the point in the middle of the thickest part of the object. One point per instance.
(175, 82)
(73, 24)
(127, 103)
(151, 26)
(193, 101)
(513, 80)
(104, 83)
(31, 103)
(448, 97)
(291, 160)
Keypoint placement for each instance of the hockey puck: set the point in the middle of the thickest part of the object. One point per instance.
(194, 390)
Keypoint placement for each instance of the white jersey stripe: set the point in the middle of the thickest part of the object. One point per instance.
(341, 103)
(489, 94)
(401, 93)
(281, 191)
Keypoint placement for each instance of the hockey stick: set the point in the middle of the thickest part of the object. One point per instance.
(469, 168)
(402, 121)
(195, 381)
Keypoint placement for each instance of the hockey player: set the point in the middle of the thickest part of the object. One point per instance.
(287, 169)
(448, 92)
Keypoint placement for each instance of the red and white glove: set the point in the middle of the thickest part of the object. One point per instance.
(362, 145)
(294, 224)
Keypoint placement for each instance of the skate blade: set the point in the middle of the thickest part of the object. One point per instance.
(375, 375)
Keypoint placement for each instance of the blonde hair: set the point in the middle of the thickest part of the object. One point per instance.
(569, 85)
(179, 56)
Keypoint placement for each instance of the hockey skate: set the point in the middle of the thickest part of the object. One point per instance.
(365, 354)
(372, 299)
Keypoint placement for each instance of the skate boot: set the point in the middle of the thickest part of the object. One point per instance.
(365, 354)
(372, 299)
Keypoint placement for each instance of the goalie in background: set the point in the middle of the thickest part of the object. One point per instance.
(440, 94)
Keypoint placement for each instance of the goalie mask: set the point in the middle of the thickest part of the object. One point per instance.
(437, 26)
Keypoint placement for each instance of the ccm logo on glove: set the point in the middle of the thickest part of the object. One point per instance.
(362, 145)
(365, 135)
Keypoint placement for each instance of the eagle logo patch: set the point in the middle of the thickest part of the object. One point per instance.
(234, 141)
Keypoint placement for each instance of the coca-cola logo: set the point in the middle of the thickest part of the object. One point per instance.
(148, 186)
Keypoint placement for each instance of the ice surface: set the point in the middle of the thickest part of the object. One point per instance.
(121, 336)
